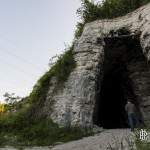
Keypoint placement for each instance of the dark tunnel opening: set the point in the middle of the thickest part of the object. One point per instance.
(116, 85)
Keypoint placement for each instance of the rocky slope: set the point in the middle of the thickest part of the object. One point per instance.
(75, 103)
(118, 139)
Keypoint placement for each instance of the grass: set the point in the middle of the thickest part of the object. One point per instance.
(21, 129)
(18, 130)
(142, 145)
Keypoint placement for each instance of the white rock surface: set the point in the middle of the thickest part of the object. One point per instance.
(74, 103)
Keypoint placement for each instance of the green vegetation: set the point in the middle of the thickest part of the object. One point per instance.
(142, 145)
(18, 130)
(60, 70)
(19, 127)
(91, 11)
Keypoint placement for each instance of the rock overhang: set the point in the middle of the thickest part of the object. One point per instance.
(137, 23)
(75, 102)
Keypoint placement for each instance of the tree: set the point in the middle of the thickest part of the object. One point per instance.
(11, 98)
(91, 11)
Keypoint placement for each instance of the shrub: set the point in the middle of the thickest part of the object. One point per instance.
(91, 11)
(60, 70)
(21, 128)
(21, 131)
(63, 66)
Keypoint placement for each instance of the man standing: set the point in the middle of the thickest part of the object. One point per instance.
(132, 116)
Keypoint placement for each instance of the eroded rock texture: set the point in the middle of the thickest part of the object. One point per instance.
(127, 42)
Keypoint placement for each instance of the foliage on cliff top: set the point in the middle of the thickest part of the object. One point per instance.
(107, 9)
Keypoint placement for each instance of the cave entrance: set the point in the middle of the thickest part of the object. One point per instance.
(116, 85)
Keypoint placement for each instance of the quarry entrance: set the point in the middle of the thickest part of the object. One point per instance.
(116, 86)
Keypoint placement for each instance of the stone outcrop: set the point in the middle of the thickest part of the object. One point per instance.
(74, 103)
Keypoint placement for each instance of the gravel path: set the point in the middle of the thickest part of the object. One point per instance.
(113, 139)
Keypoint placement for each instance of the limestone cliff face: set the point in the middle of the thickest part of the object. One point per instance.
(75, 103)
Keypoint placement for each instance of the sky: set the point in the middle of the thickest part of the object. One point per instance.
(31, 32)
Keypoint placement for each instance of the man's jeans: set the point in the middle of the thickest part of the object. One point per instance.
(133, 121)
